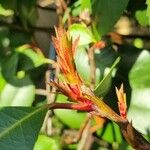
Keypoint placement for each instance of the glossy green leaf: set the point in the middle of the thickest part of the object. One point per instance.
(19, 127)
(30, 59)
(141, 17)
(139, 110)
(19, 62)
(86, 5)
(107, 12)
(83, 67)
(5, 12)
(46, 143)
(76, 8)
(110, 133)
(139, 74)
(82, 31)
(17, 96)
(103, 59)
(71, 118)
(82, 63)
(9, 67)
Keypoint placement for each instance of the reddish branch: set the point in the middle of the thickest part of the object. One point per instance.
(83, 98)
(133, 137)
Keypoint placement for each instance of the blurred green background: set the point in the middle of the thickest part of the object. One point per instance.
(26, 65)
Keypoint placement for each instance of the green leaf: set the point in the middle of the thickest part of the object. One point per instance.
(83, 67)
(8, 5)
(2, 82)
(148, 10)
(138, 42)
(19, 127)
(71, 118)
(110, 133)
(103, 58)
(106, 13)
(141, 17)
(139, 74)
(76, 8)
(46, 143)
(82, 64)
(5, 12)
(9, 67)
(15, 66)
(104, 85)
(18, 96)
(82, 31)
(139, 110)
(30, 59)
(86, 5)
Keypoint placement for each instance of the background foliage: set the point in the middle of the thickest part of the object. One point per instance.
(26, 55)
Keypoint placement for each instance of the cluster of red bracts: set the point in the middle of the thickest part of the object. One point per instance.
(73, 87)
(83, 97)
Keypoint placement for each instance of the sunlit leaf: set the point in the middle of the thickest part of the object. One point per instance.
(30, 58)
(139, 110)
(2, 82)
(141, 17)
(5, 12)
(46, 143)
(71, 118)
(86, 5)
(17, 96)
(80, 30)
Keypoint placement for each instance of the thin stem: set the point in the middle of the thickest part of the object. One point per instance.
(73, 106)
(92, 66)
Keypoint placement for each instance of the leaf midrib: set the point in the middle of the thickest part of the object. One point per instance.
(12, 127)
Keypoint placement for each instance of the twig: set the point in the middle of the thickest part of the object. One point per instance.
(85, 135)
(133, 137)
(59, 11)
(92, 66)
(47, 79)
(41, 92)
(64, 6)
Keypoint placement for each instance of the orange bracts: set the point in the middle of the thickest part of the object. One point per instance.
(72, 86)
(65, 49)
(122, 102)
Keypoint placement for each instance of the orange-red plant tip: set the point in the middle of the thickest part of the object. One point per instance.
(121, 101)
